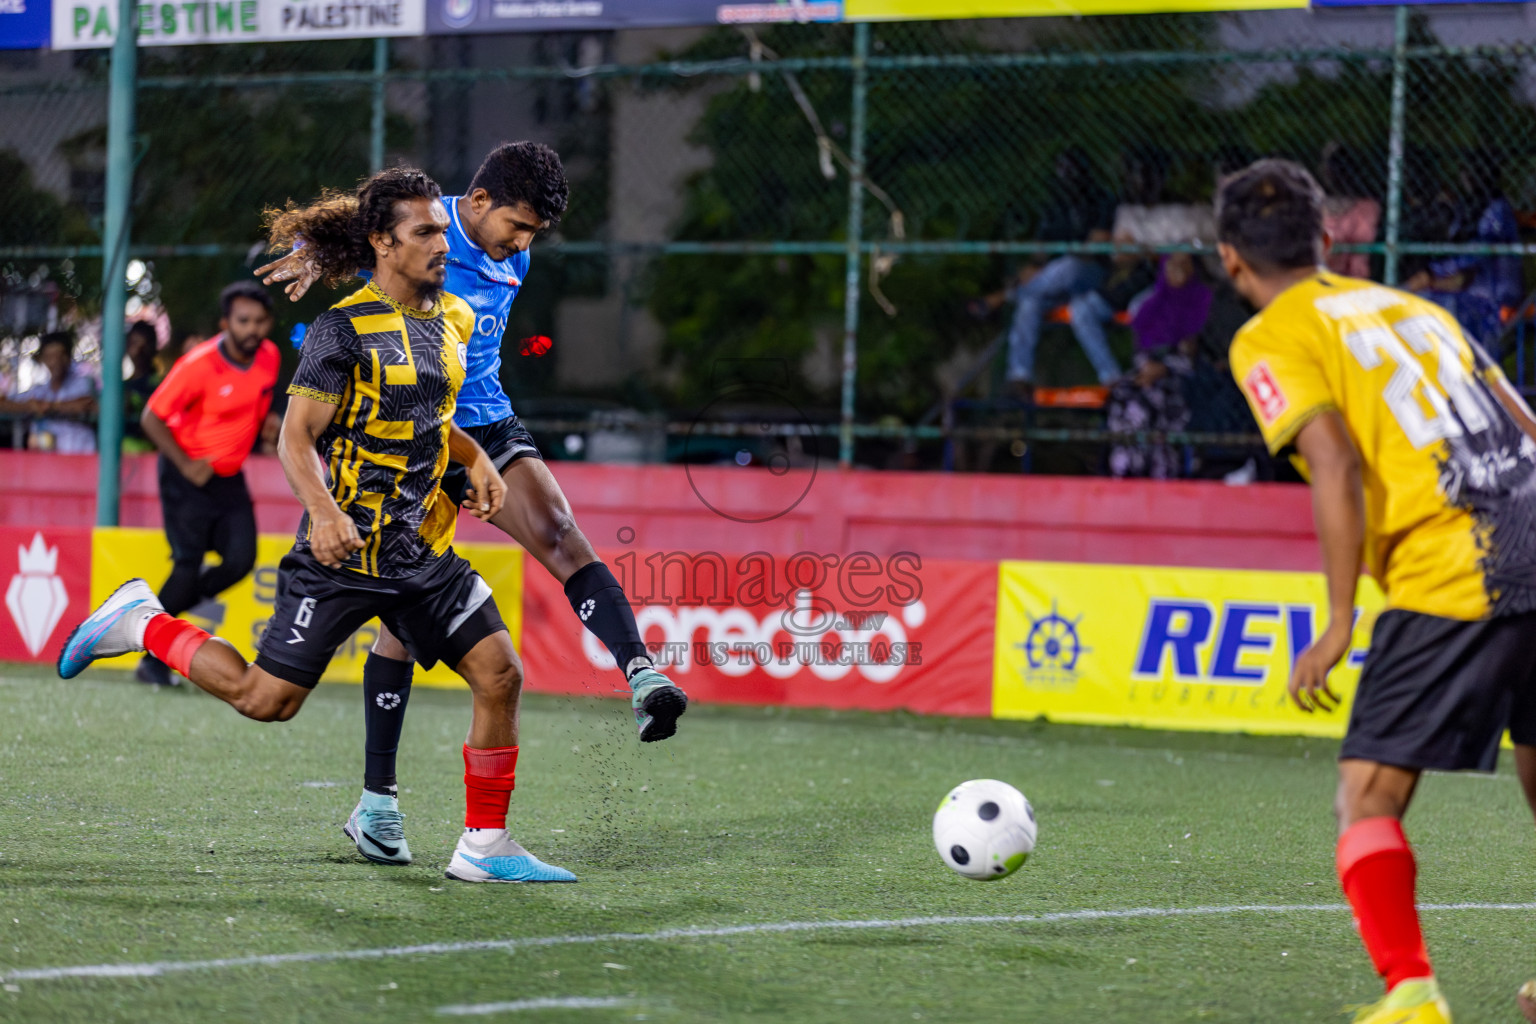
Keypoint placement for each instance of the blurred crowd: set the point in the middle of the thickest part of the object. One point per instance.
(1182, 314)
(57, 411)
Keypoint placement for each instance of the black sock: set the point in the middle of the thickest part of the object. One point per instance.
(386, 689)
(600, 604)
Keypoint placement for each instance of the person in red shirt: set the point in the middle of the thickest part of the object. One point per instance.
(204, 419)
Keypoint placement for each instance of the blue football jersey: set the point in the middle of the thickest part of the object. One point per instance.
(489, 287)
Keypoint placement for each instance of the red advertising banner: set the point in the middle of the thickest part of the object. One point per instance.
(806, 630)
(46, 576)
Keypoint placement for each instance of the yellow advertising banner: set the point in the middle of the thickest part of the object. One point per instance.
(916, 10)
(240, 614)
(1207, 649)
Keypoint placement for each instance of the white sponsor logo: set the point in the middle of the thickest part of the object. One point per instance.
(782, 644)
(387, 701)
(36, 596)
(491, 327)
(587, 608)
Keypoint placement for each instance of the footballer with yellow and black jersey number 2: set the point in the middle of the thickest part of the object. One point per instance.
(367, 436)
(1422, 462)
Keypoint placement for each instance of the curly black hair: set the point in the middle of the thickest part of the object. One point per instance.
(1271, 212)
(334, 229)
(525, 172)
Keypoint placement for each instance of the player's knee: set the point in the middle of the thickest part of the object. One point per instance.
(259, 707)
(559, 529)
(1367, 795)
(502, 684)
(265, 705)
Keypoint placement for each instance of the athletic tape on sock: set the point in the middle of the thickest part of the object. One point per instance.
(489, 777)
(1368, 837)
(174, 641)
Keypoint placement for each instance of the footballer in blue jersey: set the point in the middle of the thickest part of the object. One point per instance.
(519, 191)
(489, 284)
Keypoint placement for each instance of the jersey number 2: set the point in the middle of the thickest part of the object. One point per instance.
(1426, 413)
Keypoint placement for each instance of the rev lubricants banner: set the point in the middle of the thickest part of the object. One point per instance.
(1206, 649)
(240, 614)
(86, 24)
(813, 629)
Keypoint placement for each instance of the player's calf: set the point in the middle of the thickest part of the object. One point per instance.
(132, 620)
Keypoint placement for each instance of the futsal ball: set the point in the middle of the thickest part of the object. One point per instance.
(984, 829)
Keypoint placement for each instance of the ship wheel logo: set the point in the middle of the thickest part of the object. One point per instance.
(1053, 643)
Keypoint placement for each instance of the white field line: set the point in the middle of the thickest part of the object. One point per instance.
(564, 1003)
(159, 968)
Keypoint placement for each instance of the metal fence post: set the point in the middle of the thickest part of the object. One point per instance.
(114, 264)
(1395, 143)
(851, 284)
(376, 126)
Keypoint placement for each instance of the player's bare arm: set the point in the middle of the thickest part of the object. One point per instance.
(1338, 509)
(1513, 403)
(487, 491)
(333, 535)
(197, 471)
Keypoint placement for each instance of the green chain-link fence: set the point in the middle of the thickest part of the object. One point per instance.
(788, 227)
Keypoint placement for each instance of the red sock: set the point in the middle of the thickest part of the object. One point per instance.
(489, 776)
(174, 641)
(1377, 872)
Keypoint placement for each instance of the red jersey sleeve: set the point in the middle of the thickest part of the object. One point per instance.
(178, 392)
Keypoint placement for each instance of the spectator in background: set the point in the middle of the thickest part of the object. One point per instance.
(1152, 397)
(139, 348)
(1351, 216)
(68, 392)
(1475, 289)
(205, 418)
(180, 344)
(272, 427)
(1077, 209)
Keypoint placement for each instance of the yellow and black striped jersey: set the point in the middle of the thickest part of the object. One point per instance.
(1450, 478)
(393, 374)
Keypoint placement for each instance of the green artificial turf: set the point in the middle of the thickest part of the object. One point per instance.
(141, 826)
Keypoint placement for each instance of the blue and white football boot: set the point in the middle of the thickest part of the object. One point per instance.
(115, 627)
(490, 855)
(657, 702)
(378, 829)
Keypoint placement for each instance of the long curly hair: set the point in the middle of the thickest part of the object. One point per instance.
(334, 229)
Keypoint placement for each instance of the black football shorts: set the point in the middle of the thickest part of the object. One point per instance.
(1439, 693)
(505, 441)
(439, 614)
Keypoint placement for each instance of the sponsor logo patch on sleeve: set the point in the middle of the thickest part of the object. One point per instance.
(1265, 392)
